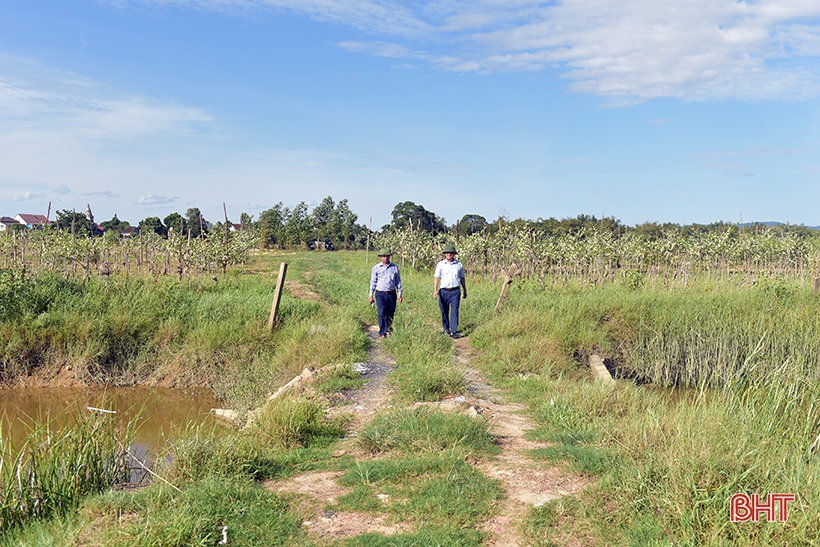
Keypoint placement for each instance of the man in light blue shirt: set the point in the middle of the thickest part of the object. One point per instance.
(450, 277)
(385, 286)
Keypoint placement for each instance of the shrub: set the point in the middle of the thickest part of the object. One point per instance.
(289, 423)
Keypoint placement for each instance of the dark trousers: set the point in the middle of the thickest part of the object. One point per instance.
(449, 301)
(386, 303)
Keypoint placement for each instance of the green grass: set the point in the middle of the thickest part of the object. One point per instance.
(425, 430)
(437, 489)
(426, 538)
(424, 371)
(48, 472)
(159, 516)
(666, 462)
(205, 334)
(662, 463)
(339, 379)
(294, 422)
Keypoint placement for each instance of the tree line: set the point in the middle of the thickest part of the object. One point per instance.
(334, 225)
(193, 222)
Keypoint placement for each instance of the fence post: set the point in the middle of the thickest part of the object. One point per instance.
(280, 284)
(367, 246)
(508, 279)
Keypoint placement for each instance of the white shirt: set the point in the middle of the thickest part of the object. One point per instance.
(451, 273)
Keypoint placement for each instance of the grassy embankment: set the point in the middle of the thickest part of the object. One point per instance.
(211, 333)
(666, 462)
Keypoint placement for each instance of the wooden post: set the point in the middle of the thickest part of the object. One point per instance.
(225, 210)
(815, 286)
(508, 279)
(280, 284)
(367, 246)
(224, 262)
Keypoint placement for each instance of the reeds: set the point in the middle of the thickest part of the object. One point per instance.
(50, 470)
(726, 403)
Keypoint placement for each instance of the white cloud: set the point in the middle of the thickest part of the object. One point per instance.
(36, 98)
(643, 49)
(28, 196)
(798, 40)
(151, 199)
(700, 49)
(369, 15)
(382, 49)
(60, 131)
(754, 152)
(735, 164)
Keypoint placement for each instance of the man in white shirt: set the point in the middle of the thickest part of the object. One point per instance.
(448, 282)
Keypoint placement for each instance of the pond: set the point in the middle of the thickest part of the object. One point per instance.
(161, 411)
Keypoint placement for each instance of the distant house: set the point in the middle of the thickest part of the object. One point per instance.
(130, 231)
(7, 222)
(234, 227)
(32, 221)
(321, 245)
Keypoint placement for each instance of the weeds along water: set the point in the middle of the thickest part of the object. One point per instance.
(210, 334)
(50, 470)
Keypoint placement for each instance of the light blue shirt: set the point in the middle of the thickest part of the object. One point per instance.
(385, 278)
(450, 273)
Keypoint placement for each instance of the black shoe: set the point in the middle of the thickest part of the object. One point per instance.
(445, 332)
(455, 335)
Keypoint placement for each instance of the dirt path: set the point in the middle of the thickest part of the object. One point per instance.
(375, 394)
(526, 481)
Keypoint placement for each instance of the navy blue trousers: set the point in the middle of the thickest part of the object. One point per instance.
(449, 301)
(387, 309)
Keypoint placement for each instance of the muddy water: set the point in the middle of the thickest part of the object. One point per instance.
(161, 411)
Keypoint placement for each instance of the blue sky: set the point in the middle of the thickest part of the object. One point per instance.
(685, 112)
